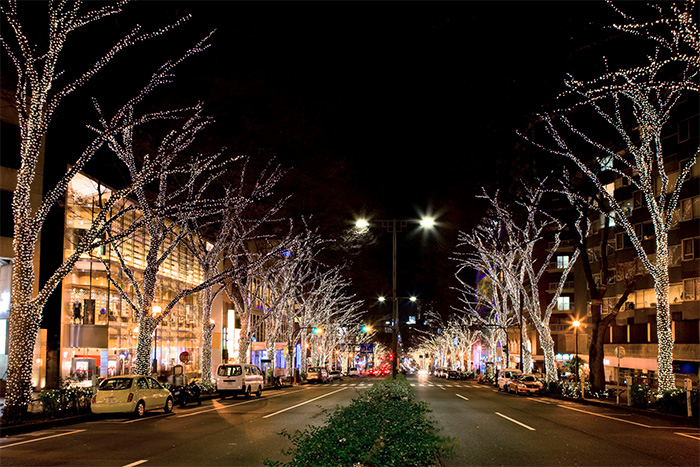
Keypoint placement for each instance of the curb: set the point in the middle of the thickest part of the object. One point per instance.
(691, 421)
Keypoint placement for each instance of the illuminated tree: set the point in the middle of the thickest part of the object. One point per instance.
(630, 110)
(244, 213)
(523, 231)
(579, 221)
(252, 293)
(166, 213)
(494, 300)
(41, 87)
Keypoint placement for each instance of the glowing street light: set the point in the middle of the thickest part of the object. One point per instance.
(394, 226)
(362, 224)
(427, 222)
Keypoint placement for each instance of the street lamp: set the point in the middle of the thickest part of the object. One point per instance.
(392, 227)
(156, 311)
(576, 324)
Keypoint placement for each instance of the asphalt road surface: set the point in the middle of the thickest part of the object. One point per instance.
(491, 428)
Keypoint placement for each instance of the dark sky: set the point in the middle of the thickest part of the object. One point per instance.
(383, 109)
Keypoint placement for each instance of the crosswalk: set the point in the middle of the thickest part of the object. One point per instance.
(419, 385)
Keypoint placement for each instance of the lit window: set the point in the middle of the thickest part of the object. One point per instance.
(562, 262)
(563, 303)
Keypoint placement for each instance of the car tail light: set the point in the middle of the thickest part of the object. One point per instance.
(131, 397)
(94, 399)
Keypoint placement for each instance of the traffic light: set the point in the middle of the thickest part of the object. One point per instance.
(317, 330)
(366, 328)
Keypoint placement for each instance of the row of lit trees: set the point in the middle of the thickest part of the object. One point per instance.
(608, 127)
(213, 204)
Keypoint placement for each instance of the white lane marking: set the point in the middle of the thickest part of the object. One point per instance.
(541, 402)
(462, 397)
(515, 421)
(303, 403)
(443, 388)
(687, 435)
(605, 416)
(134, 464)
(148, 418)
(41, 439)
(238, 403)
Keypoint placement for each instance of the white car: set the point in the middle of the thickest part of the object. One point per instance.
(233, 379)
(131, 394)
(504, 377)
(525, 384)
(352, 371)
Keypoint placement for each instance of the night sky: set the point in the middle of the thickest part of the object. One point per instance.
(382, 109)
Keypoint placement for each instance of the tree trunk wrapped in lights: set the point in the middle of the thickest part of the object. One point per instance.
(41, 88)
(246, 210)
(636, 105)
(521, 236)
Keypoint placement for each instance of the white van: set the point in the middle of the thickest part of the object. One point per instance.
(504, 377)
(239, 378)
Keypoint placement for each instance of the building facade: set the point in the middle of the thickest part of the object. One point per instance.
(99, 328)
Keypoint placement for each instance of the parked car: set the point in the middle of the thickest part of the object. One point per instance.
(525, 384)
(352, 371)
(317, 374)
(335, 374)
(131, 394)
(504, 377)
(453, 374)
(239, 378)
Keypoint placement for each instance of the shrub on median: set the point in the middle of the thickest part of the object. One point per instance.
(384, 426)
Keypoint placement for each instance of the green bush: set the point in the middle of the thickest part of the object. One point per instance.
(384, 426)
(639, 394)
(65, 402)
(674, 402)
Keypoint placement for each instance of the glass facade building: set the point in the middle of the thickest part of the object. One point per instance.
(99, 327)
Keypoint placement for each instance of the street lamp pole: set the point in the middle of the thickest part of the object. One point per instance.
(395, 305)
(577, 323)
(394, 226)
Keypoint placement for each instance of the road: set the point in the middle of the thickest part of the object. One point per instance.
(491, 428)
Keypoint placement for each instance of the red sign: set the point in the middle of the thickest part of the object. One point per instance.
(185, 357)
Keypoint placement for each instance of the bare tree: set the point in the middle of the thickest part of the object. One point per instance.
(493, 301)
(41, 87)
(246, 210)
(522, 235)
(635, 106)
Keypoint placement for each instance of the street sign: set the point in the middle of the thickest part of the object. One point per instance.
(619, 351)
(366, 348)
(185, 357)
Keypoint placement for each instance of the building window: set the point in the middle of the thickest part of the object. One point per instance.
(690, 245)
(690, 289)
(644, 231)
(563, 303)
(674, 255)
(562, 262)
(675, 293)
(690, 208)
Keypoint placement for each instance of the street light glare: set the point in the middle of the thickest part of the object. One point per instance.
(413, 299)
(577, 323)
(362, 224)
(381, 299)
(427, 222)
